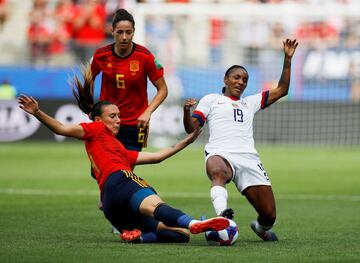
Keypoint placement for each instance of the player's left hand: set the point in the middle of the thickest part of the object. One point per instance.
(144, 119)
(290, 47)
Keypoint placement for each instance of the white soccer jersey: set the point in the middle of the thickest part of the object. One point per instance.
(230, 121)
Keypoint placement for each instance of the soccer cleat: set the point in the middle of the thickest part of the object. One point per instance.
(133, 236)
(228, 213)
(216, 223)
(266, 236)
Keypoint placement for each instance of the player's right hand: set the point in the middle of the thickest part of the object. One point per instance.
(189, 103)
(28, 104)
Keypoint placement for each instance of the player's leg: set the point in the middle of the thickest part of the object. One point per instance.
(253, 182)
(261, 197)
(156, 232)
(152, 205)
(220, 173)
(118, 188)
(171, 224)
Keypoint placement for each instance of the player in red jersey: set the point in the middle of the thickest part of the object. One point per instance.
(129, 203)
(126, 67)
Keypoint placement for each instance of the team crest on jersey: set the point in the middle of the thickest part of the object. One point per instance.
(134, 66)
(235, 105)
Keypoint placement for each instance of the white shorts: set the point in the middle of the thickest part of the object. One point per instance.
(246, 167)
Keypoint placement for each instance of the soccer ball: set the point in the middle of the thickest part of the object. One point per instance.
(225, 237)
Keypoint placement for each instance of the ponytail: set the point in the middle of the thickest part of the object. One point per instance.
(83, 90)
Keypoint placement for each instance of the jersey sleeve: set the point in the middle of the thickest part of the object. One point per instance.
(203, 108)
(154, 69)
(132, 155)
(91, 129)
(264, 99)
(94, 66)
(258, 101)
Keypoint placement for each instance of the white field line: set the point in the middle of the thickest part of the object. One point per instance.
(45, 192)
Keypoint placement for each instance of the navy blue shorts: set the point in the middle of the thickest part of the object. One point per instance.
(123, 193)
(132, 137)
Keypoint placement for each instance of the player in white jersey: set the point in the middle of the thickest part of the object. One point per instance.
(230, 152)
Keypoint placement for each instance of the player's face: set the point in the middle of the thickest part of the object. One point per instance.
(111, 118)
(236, 82)
(123, 33)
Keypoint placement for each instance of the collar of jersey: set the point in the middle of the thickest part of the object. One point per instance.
(232, 98)
(116, 55)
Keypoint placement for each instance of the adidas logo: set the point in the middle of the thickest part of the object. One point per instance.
(109, 65)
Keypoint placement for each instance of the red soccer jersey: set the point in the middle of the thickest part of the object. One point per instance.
(106, 153)
(124, 80)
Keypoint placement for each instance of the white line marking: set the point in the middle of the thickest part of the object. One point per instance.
(46, 192)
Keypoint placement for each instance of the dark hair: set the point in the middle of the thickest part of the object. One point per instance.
(122, 15)
(229, 70)
(83, 93)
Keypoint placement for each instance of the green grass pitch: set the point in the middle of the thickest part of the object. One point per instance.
(48, 207)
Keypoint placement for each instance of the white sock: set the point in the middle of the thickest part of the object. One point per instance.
(260, 229)
(219, 196)
(193, 222)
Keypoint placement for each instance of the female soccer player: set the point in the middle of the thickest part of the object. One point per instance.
(125, 68)
(230, 152)
(129, 203)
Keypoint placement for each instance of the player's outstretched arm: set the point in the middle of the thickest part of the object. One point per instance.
(156, 157)
(31, 106)
(289, 47)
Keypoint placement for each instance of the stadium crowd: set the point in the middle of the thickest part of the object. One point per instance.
(60, 32)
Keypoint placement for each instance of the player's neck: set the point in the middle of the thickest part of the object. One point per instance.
(123, 52)
(231, 96)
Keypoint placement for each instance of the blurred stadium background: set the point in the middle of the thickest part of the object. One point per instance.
(42, 42)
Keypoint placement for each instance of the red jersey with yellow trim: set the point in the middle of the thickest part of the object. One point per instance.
(107, 155)
(124, 80)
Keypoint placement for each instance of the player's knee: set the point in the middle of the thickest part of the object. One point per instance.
(149, 204)
(219, 175)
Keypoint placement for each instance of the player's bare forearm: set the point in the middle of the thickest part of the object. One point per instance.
(70, 130)
(31, 106)
(188, 122)
(284, 81)
(162, 92)
(157, 100)
(157, 157)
